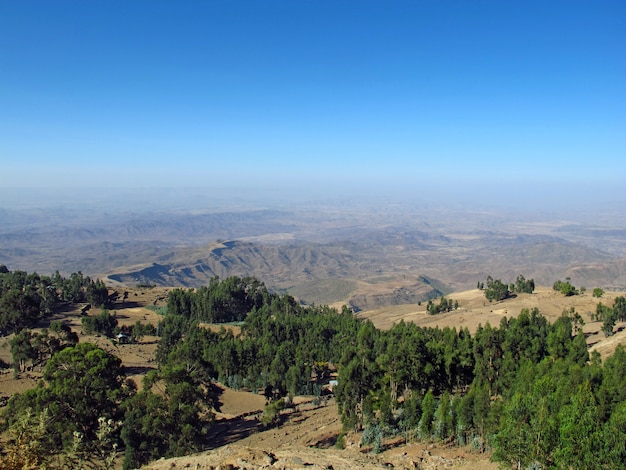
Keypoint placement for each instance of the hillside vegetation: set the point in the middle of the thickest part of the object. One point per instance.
(490, 387)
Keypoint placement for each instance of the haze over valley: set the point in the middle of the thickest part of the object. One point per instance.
(373, 255)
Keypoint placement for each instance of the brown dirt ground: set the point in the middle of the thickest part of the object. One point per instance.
(306, 439)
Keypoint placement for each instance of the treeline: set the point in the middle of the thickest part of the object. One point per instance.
(27, 298)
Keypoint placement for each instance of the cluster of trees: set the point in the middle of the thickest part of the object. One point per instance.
(32, 349)
(138, 330)
(445, 305)
(527, 389)
(280, 344)
(610, 316)
(498, 290)
(27, 298)
(222, 301)
(82, 384)
(279, 347)
(85, 393)
(516, 389)
(427, 383)
(103, 323)
(565, 287)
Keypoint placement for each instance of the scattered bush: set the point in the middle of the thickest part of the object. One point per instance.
(271, 413)
(566, 288)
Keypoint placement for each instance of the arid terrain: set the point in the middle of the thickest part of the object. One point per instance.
(307, 436)
(367, 257)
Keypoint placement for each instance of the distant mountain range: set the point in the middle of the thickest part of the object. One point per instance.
(365, 258)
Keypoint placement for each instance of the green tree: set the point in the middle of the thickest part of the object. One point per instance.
(522, 285)
(566, 288)
(271, 413)
(38, 347)
(444, 419)
(513, 439)
(580, 432)
(357, 376)
(619, 308)
(167, 424)
(429, 406)
(104, 324)
(82, 384)
(22, 350)
(496, 290)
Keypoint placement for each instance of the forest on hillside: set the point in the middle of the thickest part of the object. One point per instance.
(526, 390)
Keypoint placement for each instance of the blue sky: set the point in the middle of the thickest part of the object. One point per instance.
(313, 93)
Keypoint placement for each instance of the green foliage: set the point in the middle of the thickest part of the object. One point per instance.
(158, 309)
(512, 441)
(145, 285)
(146, 429)
(429, 405)
(496, 290)
(27, 298)
(563, 414)
(619, 308)
(104, 324)
(139, 330)
(358, 375)
(566, 288)
(524, 286)
(36, 348)
(83, 383)
(373, 435)
(580, 431)
(170, 424)
(444, 419)
(271, 413)
(445, 305)
(221, 301)
(411, 412)
(610, 316)
(598, 292)
(340, 443)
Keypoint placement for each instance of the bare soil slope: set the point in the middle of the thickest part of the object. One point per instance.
(306, 439)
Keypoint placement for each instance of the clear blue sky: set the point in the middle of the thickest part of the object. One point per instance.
(391, 93)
